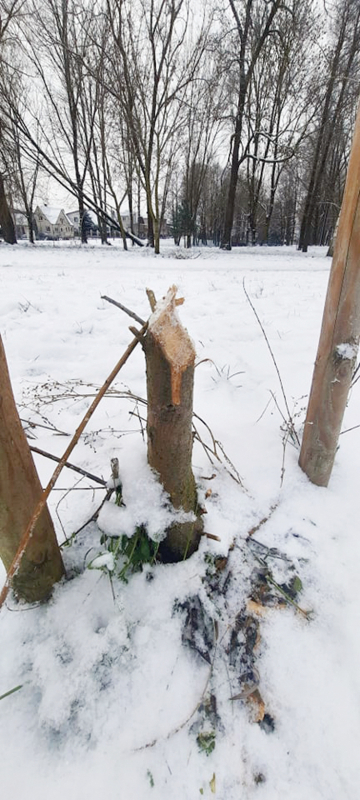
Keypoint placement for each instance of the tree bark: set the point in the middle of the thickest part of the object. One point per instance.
(170, 359)
(6, 220)
(339, 337)
(20, 491)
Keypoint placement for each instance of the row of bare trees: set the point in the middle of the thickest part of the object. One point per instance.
(232, 118)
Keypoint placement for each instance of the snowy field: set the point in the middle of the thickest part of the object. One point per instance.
(114, 703)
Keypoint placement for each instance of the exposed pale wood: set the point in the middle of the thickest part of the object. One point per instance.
(174, 341)
(253, 607)
(256, 706)
(339, 337)
(151, 298)
(20, 494)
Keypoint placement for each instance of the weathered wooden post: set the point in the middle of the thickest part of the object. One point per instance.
(170, 362)
(20, 491)
(339, 337)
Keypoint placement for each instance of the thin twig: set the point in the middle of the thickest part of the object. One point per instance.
(237, 477)
(264, 411)
(210, 432)
(262, 521)
(287, 597)
(123, 308)
(60, 501)
(41, 504)
(198, 704)
(74, 395)
(216, 444)
(39, 425)
(68, 465)
(136, 414)
(206, 447)
(272, 356)
(348, 430)
(93, 518)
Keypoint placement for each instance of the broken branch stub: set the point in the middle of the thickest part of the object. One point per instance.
(170, 362)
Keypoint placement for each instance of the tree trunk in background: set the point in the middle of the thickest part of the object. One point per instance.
(6, 220)
(234, 171)
(150, 223)
(339, 338)
(20, 492)
(331, 247)
(170, 359)
(82, 228)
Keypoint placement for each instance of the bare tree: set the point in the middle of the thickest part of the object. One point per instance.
(24, 172)
(253, 25)
(203, 123)
(9, 13)
(341, 67)
(151, 66)
(57, 40)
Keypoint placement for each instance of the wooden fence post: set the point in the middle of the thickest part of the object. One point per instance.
(339, 337)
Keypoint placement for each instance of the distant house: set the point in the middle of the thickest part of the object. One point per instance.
(92, 227)
(140, 228)
(21, 225)
(93, 224)
(52, 223)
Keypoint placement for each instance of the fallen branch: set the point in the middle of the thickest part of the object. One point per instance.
(31, 526)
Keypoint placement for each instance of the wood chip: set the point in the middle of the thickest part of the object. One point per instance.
(256, 706)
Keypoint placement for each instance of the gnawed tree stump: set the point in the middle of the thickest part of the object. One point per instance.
(170, 361)
(20, 491)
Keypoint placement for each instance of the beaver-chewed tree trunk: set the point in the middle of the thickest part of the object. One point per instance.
(339, 338)
(20, 491)
(170, 360)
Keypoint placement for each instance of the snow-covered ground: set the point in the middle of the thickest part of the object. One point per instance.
(113, 703)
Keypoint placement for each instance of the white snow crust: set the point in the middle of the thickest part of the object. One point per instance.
(347, 350)
(109, 692)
